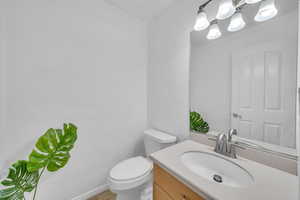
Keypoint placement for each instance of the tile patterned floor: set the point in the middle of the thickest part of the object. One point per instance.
(107, 195)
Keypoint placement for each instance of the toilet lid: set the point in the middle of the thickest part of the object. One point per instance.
(131, 169)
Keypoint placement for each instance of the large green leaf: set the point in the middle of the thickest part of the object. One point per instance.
(53, 149)
(197, 123)
(18, 181)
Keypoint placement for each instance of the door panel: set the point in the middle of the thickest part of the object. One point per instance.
(264, 94)
(245, 81)
(272, 133)
(272, 81)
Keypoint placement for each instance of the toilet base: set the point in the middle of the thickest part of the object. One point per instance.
(143, 192)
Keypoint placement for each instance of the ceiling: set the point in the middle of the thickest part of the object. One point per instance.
(199, 38)
(144, 9)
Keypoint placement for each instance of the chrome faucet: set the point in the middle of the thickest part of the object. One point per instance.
(224, 144)
(221, 144)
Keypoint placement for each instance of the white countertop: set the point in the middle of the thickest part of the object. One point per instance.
(269, 183)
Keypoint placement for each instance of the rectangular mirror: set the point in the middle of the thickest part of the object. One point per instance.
(247, 79)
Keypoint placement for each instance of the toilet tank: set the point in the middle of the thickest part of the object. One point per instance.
(155, 140)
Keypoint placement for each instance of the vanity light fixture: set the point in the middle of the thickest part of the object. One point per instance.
(252, 1)
(214, 31)
(226, 9)
(202, 22)
(237, 22)
(267, 10)
(232, 8)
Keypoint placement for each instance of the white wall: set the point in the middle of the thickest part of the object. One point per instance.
(80, 61)
(210, 91)
(168, 71)
(211, 65)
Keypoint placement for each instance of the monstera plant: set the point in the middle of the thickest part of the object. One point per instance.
(51, 153)
(197, 123)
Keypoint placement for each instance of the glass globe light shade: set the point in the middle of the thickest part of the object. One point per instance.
(236, 23)
(214, 32)
(226, 9)
(201, 22)
(267, 10)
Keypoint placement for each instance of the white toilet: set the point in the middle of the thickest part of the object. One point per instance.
(131, 179)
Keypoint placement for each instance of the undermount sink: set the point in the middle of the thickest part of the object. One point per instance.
(217, 169)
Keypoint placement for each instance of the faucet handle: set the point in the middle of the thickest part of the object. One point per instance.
(231, 132)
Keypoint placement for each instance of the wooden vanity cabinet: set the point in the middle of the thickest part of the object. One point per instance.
(167, 187)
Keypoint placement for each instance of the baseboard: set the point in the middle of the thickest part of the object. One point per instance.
(92, 192)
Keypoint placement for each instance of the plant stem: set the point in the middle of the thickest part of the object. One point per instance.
(35, 190)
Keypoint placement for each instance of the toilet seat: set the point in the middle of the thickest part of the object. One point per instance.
(130, 173)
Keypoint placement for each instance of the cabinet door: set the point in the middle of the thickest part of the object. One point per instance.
(173, 187)
(159, 194)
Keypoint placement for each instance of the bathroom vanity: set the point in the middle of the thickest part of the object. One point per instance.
(193, 171)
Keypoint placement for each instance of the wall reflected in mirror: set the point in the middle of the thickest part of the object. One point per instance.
(247, 80)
